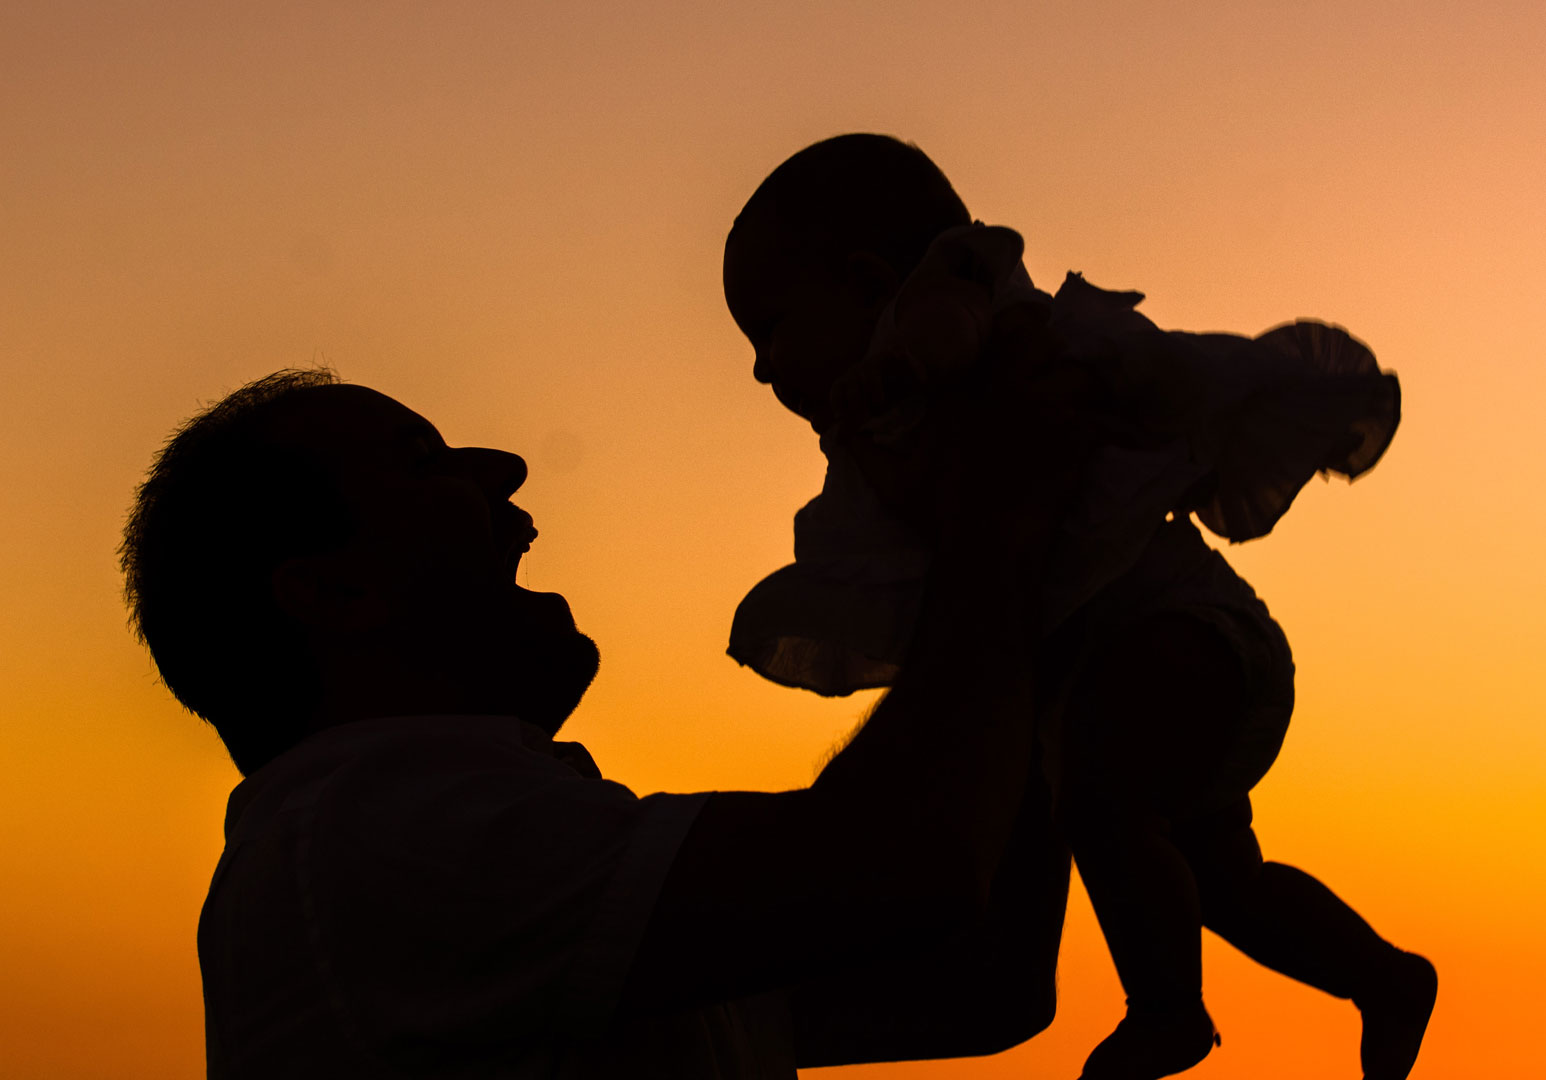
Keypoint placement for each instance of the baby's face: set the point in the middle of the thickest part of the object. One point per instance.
(807, 321)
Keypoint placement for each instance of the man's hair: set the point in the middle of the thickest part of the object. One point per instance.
(860, 193)
(225, 502)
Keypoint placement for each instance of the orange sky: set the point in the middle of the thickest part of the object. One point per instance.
(510, 216)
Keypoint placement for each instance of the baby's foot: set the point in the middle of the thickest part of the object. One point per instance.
(1395, 1015)
(1149, 1043)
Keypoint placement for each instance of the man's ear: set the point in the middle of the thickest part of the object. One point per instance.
(872, 280)
(327, 593)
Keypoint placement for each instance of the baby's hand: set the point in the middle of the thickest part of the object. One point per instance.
(945, 313)
(936, 332)
(943, 322)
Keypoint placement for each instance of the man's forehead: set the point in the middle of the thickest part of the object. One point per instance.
(346, 419)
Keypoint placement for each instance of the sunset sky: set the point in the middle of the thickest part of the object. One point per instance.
(510, 217)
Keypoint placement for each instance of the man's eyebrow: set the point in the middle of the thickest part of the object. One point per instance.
(418, 429)
(404, 435)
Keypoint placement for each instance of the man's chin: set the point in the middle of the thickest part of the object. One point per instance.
(547, 608)
(554, 677)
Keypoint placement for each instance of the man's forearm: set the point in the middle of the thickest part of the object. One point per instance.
(896, 844)
(942, 764)
(983, 989)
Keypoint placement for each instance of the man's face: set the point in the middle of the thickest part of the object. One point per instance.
(806, 320)
(437, 544)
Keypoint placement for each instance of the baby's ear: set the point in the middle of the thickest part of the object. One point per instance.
(872, 279)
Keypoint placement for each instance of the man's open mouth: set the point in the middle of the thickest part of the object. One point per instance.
(521, 532)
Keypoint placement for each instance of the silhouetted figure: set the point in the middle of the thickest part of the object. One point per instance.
(1166, 688)
(418, 880)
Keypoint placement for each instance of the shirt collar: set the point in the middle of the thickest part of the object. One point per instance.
(322, 752)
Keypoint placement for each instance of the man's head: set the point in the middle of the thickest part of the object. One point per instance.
(307, 552)
(819, 250)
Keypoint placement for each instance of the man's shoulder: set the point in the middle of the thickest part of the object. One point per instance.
(402, 815)
(445, 885)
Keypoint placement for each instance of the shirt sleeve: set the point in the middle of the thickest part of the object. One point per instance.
(466, 898)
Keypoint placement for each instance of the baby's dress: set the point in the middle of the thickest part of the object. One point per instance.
(1233, 428)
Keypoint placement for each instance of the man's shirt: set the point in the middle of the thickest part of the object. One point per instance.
(451, 896)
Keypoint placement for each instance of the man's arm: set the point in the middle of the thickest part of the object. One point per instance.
(897, 843)
(981, 991)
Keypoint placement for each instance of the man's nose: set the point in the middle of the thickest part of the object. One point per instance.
(497, 472)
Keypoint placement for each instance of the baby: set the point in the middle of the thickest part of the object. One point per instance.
(1166, 688)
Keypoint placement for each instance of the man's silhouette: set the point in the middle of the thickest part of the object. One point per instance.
(419, 881)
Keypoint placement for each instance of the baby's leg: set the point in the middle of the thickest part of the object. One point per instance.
(1147, 904)
(1137, 738)
(1287, 920)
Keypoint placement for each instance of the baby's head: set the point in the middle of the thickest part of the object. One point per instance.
(820, 249)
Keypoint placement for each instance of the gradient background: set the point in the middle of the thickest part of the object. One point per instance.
(510, 216)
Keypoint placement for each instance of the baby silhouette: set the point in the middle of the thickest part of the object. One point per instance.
(870, 297)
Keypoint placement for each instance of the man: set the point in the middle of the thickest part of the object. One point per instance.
(419, 881)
